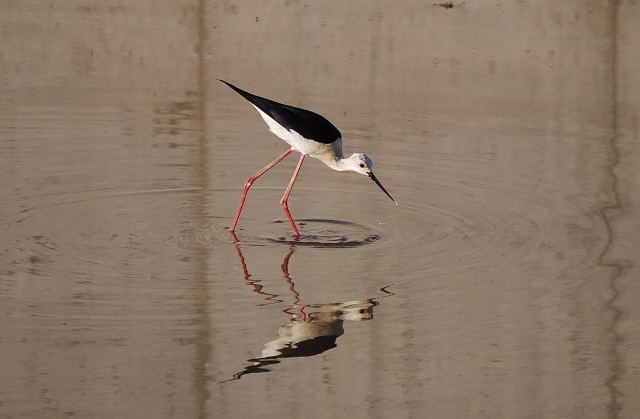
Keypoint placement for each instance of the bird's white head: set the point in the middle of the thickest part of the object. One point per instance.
(360, 163)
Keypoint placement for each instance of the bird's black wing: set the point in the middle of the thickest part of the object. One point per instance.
(306, 123)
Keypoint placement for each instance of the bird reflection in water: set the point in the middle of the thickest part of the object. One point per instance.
(312, 328)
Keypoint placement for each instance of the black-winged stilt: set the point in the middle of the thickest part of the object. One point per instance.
(308, 133)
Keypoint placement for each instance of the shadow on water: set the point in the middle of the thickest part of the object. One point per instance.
(312, 328)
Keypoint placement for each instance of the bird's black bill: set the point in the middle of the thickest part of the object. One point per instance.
(375, 179)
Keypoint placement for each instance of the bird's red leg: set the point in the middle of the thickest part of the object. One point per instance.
(285, 197)
(249, 182)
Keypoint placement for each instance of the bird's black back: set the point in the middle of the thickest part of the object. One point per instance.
(306, 123)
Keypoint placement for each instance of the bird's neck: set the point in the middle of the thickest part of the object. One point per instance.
(337, 163)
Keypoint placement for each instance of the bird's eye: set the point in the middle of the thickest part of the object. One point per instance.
(362, 165)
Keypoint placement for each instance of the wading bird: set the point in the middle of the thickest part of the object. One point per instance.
(309, 134)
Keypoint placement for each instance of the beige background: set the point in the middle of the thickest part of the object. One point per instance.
(507, 130)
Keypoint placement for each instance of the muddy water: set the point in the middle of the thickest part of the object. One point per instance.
(501, 286)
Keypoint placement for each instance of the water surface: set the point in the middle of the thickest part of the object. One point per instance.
(501, 286)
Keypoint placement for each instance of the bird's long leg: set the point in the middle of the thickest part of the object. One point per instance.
(249, 182)
(285, 197)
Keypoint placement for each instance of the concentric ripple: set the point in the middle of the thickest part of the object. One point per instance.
(318, 233)
(330, 234)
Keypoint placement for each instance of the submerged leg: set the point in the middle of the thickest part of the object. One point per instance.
(249, 182)
(285, 197)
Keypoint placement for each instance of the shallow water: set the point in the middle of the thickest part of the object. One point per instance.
(503, 285)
